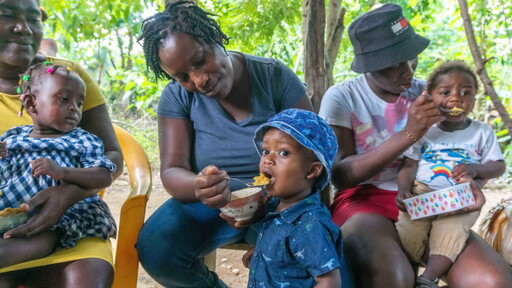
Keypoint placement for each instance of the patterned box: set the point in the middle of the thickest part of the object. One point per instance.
(440, 201)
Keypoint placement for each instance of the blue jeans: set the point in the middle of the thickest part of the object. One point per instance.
(177, 236)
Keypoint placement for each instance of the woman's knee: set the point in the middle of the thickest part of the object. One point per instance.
(167, 244)
(374, 252)
(89, 273)
(493, 270)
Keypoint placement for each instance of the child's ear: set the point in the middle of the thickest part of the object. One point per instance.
(315, 170)
(28, 102)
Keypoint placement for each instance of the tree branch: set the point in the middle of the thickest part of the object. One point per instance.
(313, 31)
(334, 31)
(480, 66)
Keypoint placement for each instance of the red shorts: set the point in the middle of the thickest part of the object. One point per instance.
(363, 199)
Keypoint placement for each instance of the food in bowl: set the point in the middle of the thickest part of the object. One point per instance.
(244, 203)
(11, 218)
(260, 180)
(10, 211)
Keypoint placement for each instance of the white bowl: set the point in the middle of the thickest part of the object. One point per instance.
(243, 204)
(440, 201)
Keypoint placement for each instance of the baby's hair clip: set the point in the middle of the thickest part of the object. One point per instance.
(47, 62)
(50, 70)
(69, 69)
(26, 78)
(18, 90)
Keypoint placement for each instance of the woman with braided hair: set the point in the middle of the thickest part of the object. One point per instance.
(89, 263)
(207, 116)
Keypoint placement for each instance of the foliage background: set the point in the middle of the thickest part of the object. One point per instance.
(102, 36)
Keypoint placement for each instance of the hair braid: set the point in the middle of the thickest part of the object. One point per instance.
(182, 16)
(35, 77)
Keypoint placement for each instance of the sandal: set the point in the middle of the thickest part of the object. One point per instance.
(423, 282)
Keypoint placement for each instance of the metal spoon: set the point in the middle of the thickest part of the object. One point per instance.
(239, 180)
(450, 111)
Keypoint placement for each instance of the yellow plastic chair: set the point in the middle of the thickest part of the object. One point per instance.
(126, 261)
(133, 211)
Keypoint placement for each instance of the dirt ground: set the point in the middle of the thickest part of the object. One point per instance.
(229, 265)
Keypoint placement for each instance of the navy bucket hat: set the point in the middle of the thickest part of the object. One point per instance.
(310, 131)
(383, 38)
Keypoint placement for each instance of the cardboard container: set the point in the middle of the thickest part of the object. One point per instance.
(440, 201)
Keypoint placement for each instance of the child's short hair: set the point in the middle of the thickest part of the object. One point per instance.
(310, 131)
(447, 67)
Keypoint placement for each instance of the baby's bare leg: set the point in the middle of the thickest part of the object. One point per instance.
(18, 250)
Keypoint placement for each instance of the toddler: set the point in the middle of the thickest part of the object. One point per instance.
(51, 151)
(465, 150)
(298, 244)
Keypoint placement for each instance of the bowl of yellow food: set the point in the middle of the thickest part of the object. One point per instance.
(11, 218)
(244, 203)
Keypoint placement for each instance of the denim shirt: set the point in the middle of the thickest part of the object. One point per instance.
(295, 245)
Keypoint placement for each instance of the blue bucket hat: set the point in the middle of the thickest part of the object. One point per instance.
(310, 131)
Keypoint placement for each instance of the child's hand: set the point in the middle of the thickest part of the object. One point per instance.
(400, 199)
(464, 170)
(477, 194)
(246, 259)
(45, 166)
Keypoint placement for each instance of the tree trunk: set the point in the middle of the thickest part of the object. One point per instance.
(334, 30)
(480, 66)
(313, 29)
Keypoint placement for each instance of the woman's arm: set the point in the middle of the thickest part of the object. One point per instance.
(210, 187)
(304, 103)
(52, 203)
(350, 169)
(405, 179)
(97, 121)
(174, 138)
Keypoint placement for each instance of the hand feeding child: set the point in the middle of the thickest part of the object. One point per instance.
(298, 244)
(51, 151)
(466, 150)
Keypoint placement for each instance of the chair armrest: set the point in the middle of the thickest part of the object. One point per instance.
(133, 210)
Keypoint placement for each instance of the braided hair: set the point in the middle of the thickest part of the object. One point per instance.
(36, 76)
(182, 16)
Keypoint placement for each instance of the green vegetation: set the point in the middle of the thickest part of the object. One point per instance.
(102, 36)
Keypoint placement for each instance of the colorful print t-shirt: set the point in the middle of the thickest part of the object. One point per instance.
(353, 104)
(439, 151)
